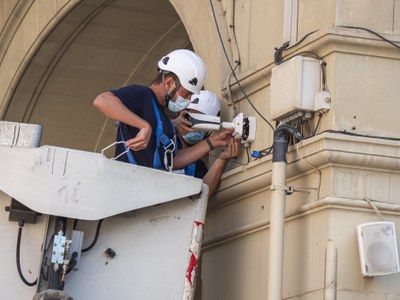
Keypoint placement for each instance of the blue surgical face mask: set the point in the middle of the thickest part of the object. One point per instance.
(178, 105)
(194, 137)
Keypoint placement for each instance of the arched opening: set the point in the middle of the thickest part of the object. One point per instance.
(99, 45)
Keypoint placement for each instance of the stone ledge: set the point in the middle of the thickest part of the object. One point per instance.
(214, 239)
(321, 151)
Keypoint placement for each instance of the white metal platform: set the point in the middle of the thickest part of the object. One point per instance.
(153, 220)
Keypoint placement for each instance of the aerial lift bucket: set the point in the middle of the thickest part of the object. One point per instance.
(151, 232)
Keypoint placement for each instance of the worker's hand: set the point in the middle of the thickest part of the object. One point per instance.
(232, 151)
(141, 140)
(182, 125)
(221, 138)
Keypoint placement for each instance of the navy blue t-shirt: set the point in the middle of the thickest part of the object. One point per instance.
(201, 169)
(139, 100)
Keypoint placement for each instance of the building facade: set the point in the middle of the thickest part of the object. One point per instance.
(56, 56)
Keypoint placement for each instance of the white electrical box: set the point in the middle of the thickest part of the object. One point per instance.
(294, 85)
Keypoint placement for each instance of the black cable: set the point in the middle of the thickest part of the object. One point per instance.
(270, 151)
(21, 224)
(279, 52)
(318, 123)
(267, 150)
(232, 69)
(75, 223)
(285, 46)
(96, 236)
(360, 135)
(72, 262)
(308, 53)
(262, 153)
(234, 31)
(71, 266)
(302, 39)
(323, 70)
(373, 32)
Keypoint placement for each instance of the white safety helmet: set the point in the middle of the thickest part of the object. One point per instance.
(205, 102)
(187, 66)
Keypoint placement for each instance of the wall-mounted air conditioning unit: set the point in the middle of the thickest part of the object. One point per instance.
(377, 245)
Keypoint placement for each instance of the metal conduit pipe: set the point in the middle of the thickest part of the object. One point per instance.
(277, 219)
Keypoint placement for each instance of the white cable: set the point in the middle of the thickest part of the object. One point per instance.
(376, 209)
(229, 89)
(119, 155)
(310, 165)
(109, 146)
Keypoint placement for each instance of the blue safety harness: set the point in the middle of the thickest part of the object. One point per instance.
(161, 139)
(190, 169)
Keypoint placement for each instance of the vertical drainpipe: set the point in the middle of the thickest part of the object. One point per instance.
(277, 218)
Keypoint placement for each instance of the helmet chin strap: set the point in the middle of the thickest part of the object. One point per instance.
(168, 96)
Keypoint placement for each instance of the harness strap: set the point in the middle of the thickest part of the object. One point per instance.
(190, 169)
(161, 139)
(168, 144)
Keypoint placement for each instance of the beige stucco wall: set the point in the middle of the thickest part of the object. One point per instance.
(362, 73)
(25, 26)
(334, 172)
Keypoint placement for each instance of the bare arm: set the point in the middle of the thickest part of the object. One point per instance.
(113, 108)
(213, 176)
(191, 154)
(182, 125)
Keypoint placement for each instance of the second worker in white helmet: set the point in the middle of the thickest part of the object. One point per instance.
(205, 102)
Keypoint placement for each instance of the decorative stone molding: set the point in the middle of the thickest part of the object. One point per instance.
(319, 152)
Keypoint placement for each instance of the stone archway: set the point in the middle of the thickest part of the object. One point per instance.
(94, 46)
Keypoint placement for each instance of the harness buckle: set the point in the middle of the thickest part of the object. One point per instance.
(170, 147)
(169, 157)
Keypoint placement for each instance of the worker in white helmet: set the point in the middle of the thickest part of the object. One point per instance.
(206, 102)
(145, 134)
